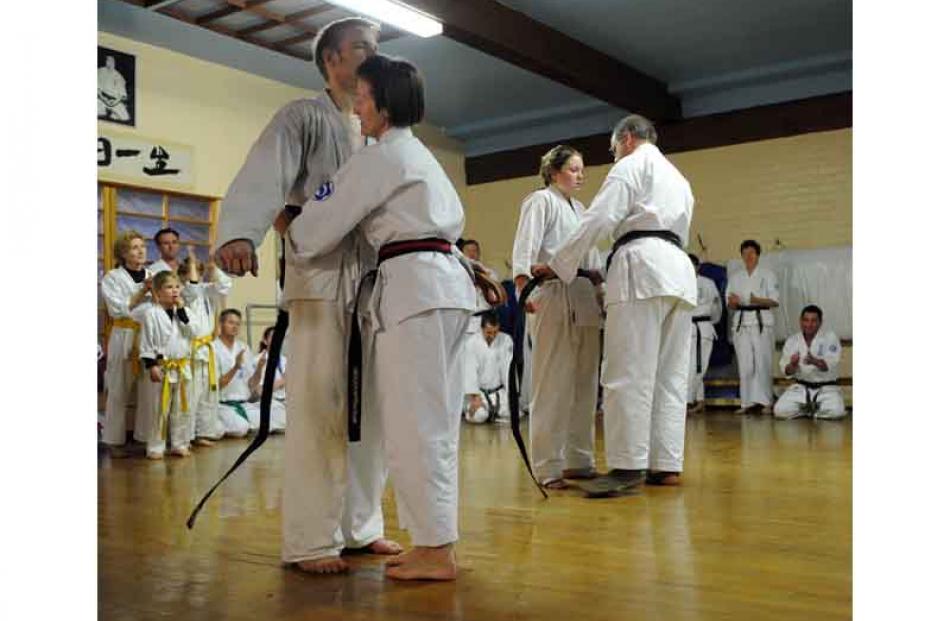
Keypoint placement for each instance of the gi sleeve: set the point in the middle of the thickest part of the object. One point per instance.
(186, 320)
(607, 211)
(771, 286)
(261, 187)
(832, 355)
(362, 185)
(221, 283)
(117, 302)
(150, 336)
(788, 349)
(529, 235)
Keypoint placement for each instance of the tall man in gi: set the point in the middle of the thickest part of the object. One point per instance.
(751, 294)
(646, 205)
(332, 492)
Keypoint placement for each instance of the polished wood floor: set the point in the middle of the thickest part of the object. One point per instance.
(761, 529)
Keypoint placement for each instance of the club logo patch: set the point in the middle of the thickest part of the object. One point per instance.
(324, 191)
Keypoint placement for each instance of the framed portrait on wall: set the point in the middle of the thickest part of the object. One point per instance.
(115, 95)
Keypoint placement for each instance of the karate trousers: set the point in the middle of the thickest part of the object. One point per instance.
(123, 410)
(207, 424)
(754, 355)
(697, 391)
(646, 378)
(564, 362)
(178, 422)
(333, 489)
(830, 402)
(417, 368)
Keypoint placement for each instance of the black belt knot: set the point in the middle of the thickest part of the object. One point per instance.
(742, 308)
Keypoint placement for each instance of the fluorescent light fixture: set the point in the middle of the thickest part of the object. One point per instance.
(394, 13)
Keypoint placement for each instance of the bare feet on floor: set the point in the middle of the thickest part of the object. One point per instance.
(181, 451)
(327, 565)
(203, 442)
(579, 473)
(424, 564)
(554, 484)
(384, 547)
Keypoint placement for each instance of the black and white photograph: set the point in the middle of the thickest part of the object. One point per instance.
(115, 94)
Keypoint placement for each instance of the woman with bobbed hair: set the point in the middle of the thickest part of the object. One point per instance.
(414, 314)
(564, 327)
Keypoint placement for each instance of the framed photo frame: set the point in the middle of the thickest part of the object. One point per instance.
(115, 93)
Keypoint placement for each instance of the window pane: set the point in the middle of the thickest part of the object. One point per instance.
(146, 226)
(140, 202)
(200, 251)
(192, 232)
(192, 208)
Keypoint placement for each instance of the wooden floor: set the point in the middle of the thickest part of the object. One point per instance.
(761, 529)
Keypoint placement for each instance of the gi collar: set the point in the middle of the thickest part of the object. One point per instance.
(394, 134)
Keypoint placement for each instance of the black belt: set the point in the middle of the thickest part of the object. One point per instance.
(267, 392)
(482, 313)
(626, 238)
(812, 402)
(494, 406)
(751, 307)
(355, 358)
(699, 339)
(514, 374)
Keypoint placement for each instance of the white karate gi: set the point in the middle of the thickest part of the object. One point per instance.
(825, 346)
(120, 382)
(169, 339)
(235, 423)
(201, 299)
(651, 292)
(112, 95)
(708, 304)
(278, 412)
(565, 336)
(332, 490)
(418, 311)
(754, 346)
(160, 266)
(485, 376)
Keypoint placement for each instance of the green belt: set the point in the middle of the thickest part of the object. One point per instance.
(239, 407)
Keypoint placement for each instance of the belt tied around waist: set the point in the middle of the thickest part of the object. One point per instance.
(179, 365)
(699, 340)
(130, 324)
(758, 308)
(630, 236)
(198, 343)
(354, 376)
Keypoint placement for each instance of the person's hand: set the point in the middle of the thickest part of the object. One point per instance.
(733, 301)
(282, 222)
(542, 271)
(155, 374)
(796, 357)
(237, 257)
(261, 361)
(239, 361)
(474, 403)
(147, 284)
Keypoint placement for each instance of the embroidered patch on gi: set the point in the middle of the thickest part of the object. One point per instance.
(833, 348)
(324, 191)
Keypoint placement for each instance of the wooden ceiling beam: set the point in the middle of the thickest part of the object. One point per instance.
(229, 9)
(493, 28)
(287, 20)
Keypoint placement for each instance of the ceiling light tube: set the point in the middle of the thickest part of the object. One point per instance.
(395, 14)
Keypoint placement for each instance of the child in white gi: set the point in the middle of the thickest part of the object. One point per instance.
(201, 298)
(165, 349)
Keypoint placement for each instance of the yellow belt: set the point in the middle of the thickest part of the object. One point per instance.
(131, 324)
(178, 364)
(206, 341)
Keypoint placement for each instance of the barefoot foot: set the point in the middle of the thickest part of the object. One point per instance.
(424, 564)
(328, 565)
(384, 547)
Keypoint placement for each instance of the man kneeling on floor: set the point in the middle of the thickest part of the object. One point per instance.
(811, 357)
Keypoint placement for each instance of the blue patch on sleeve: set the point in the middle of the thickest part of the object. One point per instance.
(323, 192)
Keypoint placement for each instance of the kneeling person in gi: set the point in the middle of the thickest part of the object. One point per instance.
(233, 359)
(811, 357)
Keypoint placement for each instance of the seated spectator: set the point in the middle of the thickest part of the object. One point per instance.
(278, 412)
(811, 357)
(233, 362)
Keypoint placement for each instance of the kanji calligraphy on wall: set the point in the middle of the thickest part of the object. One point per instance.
(144, 161)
